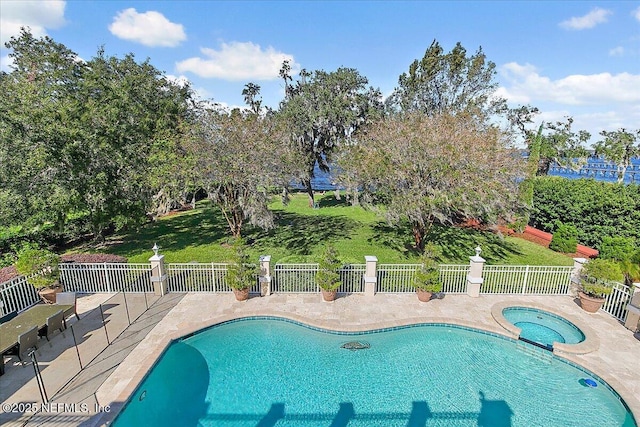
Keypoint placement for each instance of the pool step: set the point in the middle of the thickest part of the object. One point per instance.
(539, 353)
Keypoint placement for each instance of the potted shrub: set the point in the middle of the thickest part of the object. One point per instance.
(328, 277)
(40, 266)
(240, 274)
(427, 277)
(595, 283)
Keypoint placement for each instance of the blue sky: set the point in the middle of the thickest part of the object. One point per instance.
(572, 58)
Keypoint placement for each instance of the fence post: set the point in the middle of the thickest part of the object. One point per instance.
(474, 278)
(370, 275)
(574, 286)
(158, 273)
(633, 309)
(106, 277)
(265, 275)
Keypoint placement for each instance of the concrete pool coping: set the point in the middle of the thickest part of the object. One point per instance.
(610, 360)
(591, 341)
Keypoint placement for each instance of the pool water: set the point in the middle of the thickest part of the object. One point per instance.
(273, 372)
(543, 327)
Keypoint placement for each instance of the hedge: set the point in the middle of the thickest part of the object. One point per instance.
(596, 208)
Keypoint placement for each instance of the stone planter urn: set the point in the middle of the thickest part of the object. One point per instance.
(424, 296)
(48, 295)
(241, 294)
(329, 295)
(590, 304)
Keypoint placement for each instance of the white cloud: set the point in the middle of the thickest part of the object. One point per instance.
(37, 15)
(148, 28)
(616, 51)
(238, 61)
(5, 63)
(590, 20)
(525, 84)
(636, 14)
(180, 80)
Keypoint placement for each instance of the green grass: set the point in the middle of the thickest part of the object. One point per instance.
(202, 235)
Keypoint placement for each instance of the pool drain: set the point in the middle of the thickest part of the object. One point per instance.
(356, 345)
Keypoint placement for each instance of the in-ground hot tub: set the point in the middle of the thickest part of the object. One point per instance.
(542, 328)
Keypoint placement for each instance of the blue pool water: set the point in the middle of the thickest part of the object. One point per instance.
(542, 327)
(272, 372)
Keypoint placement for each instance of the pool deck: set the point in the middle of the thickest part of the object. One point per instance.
(610, 351)
(614, 357)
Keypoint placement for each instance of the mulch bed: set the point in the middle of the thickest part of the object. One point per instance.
(8, 273)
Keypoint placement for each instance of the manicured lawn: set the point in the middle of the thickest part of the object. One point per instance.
(202, 235)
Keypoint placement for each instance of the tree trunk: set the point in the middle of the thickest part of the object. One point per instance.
(307, 185)
(418, 235)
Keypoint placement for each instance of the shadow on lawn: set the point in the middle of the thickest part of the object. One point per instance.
(457, 243)
(300, 234)
(198, 227)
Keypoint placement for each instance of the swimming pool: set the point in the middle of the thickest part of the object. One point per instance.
(543, 327)
(275, 372)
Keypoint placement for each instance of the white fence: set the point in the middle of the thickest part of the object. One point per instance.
(196, 277)
(617, 301)
(396, 278)
(295, 278)
(454, 278)
(352, 278)
(301, 278)
(526, 279)
(106, 277)
(16, 295)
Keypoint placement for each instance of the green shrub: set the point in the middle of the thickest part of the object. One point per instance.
(596, 208)
(596, 277)
(565, 239)
(328, 277)
(240, 274)
(39, 263)
(617, 248)
(427, 277)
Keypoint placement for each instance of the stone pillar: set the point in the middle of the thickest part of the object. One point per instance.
(474, 278)
(158, 273)
(265, 275)
(633, 308)
(370, 275)
(574, 286)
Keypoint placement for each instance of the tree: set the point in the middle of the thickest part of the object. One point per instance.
(449, 83)
(240, 158)
(37, 123)
(250, 94)
(562, 146)
(619, 147)
(434, 169)
(129, 111)
(84, 139)
(322, 111)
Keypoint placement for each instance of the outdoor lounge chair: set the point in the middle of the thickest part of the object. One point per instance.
(26, 341)
(68, 298)
(54, 322)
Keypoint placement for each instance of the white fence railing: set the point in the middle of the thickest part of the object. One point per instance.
(16, 295)
(454, 278)
(197, 277)
(295, 278)
(396, 278)
(106, 277)
(526, 279)
(352, 278)
(615, 304)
